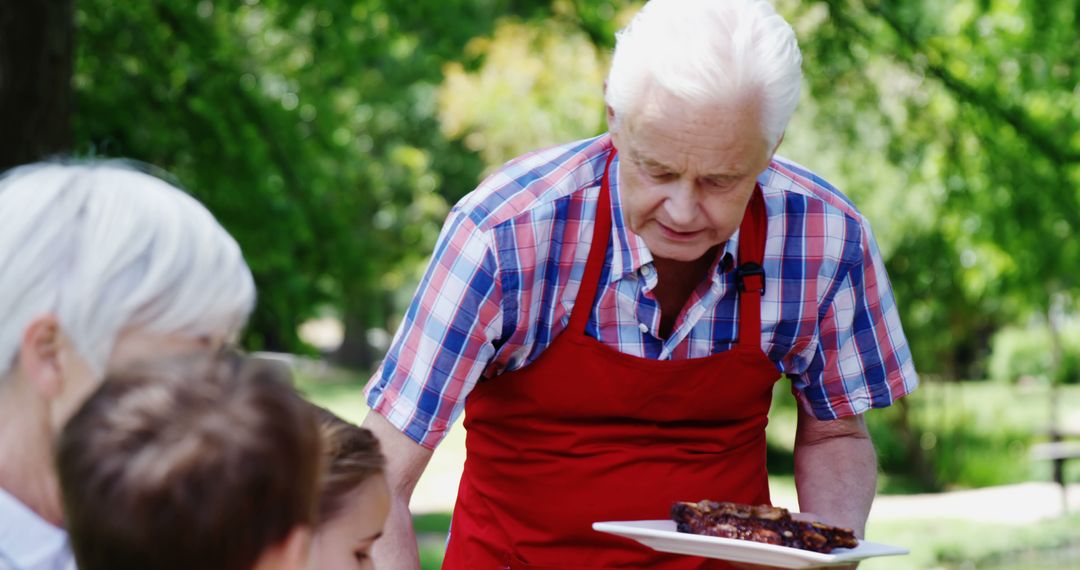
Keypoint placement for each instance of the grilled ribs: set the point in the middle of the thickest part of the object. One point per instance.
(759, 523)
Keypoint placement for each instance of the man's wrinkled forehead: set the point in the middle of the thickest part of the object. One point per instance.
(651, 135)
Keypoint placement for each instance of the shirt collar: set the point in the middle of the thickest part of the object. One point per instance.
(29, 541)
(631, 252)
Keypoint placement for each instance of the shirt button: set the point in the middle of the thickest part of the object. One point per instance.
(644, 328)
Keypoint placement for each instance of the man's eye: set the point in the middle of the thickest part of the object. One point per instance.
(360, 555)
(660, 174)
(718, 182)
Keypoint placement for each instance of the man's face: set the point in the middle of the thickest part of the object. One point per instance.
(687, 173)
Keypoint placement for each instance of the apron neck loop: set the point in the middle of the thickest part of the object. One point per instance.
(586, 296)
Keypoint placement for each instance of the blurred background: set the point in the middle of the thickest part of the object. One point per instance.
(332, 137)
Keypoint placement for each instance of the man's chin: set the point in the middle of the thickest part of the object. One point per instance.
(672, 252)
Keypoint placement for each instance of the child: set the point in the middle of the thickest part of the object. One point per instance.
(354, 501)
(209, 463)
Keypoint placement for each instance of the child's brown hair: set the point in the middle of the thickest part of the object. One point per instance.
(199, 463)
(352, 455)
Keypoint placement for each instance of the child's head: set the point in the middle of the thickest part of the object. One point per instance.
(209, 463)
(355, 500)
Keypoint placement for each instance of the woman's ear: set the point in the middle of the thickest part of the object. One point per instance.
(39, 355)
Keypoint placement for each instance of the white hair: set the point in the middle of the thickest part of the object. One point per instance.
(107, 248)
(708, 51)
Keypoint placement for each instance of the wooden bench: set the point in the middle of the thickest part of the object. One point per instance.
(1059, 451)
(1056, 450)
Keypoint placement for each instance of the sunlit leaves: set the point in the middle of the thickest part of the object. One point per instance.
(986, 134)
(330, 137)
(539, 85)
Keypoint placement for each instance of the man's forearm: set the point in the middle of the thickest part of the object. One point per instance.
(405, 461)
(835, 471)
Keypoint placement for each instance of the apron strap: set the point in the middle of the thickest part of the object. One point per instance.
(750, 275)
(590, 281)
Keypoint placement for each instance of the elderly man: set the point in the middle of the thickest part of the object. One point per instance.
(611, 314)
(102, 266)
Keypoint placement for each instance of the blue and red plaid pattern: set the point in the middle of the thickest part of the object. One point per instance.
(508, 264)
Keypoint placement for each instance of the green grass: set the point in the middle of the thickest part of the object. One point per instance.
(431, 530)
(972, 434)
(339, 391)
(438, 523)
(980, 433)
(959, 544)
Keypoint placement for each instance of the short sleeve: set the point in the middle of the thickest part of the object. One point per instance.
(862, 359)
(445, 339)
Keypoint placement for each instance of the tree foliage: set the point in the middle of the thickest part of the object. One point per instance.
(539, 85)
(980, 107)
(308, 129)
(330, 137)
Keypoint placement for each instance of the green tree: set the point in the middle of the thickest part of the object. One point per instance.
(36, 47)
(310, 130)
(977, 106)
(539, 85)
(964, 114)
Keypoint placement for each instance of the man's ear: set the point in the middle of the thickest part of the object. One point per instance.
(615, 128)
(289, 554)
(39, 355)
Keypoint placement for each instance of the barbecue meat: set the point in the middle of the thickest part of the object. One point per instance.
(760, 523)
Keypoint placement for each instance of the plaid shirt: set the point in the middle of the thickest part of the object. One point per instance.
(508, 265)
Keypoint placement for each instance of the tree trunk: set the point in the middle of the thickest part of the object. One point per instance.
(36, 60)
(355, 351)
(1054, 314)
(911, 437)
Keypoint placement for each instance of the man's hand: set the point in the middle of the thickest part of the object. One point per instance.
(835, 470)
(405, 461)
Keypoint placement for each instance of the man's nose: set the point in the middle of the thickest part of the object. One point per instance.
(681, 205)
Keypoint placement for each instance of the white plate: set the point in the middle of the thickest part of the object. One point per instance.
(661, 535)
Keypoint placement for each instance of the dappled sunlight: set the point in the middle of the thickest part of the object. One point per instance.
(537, 86)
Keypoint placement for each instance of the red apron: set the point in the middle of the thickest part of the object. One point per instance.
(585, 433)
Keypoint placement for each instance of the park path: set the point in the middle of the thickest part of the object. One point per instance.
(1018, 504)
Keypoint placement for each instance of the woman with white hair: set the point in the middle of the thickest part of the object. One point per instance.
(611, 315)
(100, 265)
